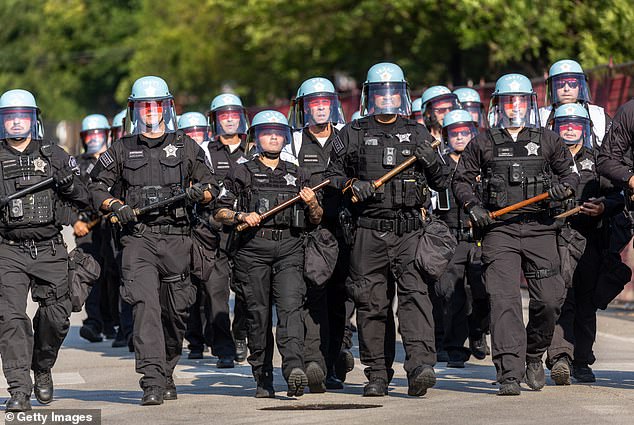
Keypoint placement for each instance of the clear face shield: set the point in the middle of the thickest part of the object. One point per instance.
(270, 138)
(441, 106)
(458, 135)
(568, 88)
(151, 116)
(199, 133)
(228, 121)
(476, 109)
(318, 109)
(573, 130)
(95, 141)
(386, 99)
(514, 111)
(20, 123)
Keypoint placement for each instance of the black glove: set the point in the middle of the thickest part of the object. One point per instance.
(480, 217)
(426, 155)
(123, 212)
(560, 191)
(63, 179)
(195, 193)
(362, 189)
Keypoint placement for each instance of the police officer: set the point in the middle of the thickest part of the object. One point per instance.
(513, 157)
(270, 256)
(32, 252)
(94, 135)
(229, 123)
(154, 163)
(566, 84)
(436, 102)
(470, 101)
(576, 328)
(318, 117)
(388, 222)
(463, 272)
(213, 287)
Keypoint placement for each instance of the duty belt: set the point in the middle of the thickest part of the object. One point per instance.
(276, 234)
(31, 245)
(169, 229)
(397, 225)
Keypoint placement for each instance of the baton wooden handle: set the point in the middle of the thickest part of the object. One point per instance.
(114, 219)
(242, 226)
(395, 171)
(522, 204)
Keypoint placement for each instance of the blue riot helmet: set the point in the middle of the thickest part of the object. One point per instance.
(385, 91)
(513, 103)
(566, 83)
(436, 101)
(355, 115)
(20, 116)
(572, 123)
(95, 133)
(317, 103)
(117, 129)
(150, 107)
(194, 124)
(417, 111)
(227, 116)
(470, 101)
(458, 128)
(269, 132)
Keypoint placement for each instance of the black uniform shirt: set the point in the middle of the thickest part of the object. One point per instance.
(613, 161)
(108, 169)
(479, 152)
(344, 158)
(79, 196)
(239, 182)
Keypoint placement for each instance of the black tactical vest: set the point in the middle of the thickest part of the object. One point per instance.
(19, 172)
(270, 189)
(447, 208)
(379, 152)
(153, 174)
(589, 186)
(517, 170)
(222, 160)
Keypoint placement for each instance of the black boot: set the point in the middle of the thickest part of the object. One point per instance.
(560, 372)
(421, 379)
(332, 382)
(535, 376)
(297, 381)
(509, 387)
(316, 377)
(479, 347)
(377, 387)
(119, 340)
(19, 402)
(241, 350)
(583, 373)
(344, 364)
(152, 396)
(43, 387)
(225, 363)
(90, 333)
(170, 389)
(195, 353)
(265, 387)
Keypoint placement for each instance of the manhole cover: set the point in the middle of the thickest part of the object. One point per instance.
(323, 407)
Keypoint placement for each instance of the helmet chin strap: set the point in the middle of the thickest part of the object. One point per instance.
(271, 155)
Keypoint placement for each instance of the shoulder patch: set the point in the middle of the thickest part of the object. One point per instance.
(338, 145)
(106, 159)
